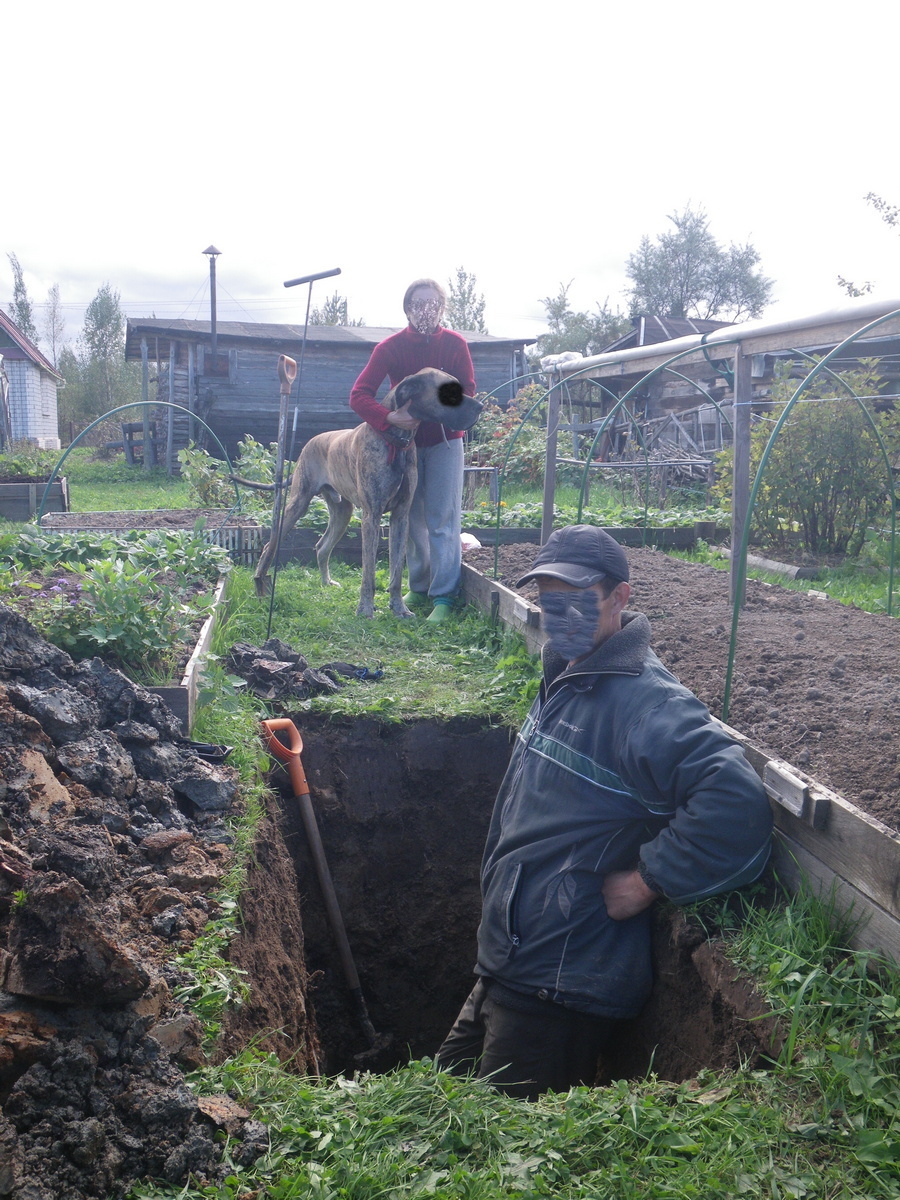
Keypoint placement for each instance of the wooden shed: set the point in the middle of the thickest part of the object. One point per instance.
(238, 393)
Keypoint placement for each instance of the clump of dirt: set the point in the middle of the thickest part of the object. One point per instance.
(112, 835)
(816, 683)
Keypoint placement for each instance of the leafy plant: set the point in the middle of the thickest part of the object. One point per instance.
(497, 434)
(116, 609)
(825, 479)
(209, 482)
(128, 597)
(28, 460)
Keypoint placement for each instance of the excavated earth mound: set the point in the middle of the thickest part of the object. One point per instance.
(111, 836)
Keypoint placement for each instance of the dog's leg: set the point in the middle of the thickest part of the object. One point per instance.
(371, 524)
(397, 534)
(339, 513)
(297, 504)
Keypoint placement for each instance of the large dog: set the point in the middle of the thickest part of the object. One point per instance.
(373, 472)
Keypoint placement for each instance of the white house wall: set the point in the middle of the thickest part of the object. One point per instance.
(32, 404)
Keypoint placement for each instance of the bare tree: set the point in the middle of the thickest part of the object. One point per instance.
(54, 325)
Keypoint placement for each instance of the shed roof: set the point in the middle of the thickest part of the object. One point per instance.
(233, 332)
(650, 330)
(21, 347)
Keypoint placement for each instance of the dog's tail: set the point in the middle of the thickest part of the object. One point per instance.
(251, 483)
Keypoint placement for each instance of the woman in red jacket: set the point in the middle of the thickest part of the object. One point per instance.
(435, 520)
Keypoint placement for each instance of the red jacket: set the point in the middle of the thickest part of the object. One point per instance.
(403, 354)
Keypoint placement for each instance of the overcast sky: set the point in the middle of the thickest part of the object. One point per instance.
(531, 144)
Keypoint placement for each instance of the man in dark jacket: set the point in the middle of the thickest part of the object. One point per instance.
(621, 789)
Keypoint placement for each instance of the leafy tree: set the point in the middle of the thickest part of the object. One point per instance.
(332, 312)
(855, 290)
(97, 377)
(54, 325)
(103, 339)
(20, 310)
(465, 306)
(586, 333)
(687, 273)
(890, 214)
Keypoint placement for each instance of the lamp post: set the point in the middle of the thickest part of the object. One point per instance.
(213, 254)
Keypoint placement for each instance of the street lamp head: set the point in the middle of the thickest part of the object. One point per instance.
(212, 251)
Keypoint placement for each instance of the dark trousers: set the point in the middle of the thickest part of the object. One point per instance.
(536, 1046)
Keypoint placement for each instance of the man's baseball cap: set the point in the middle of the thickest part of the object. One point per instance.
(581, 555)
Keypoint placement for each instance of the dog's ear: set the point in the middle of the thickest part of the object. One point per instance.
(406, 390)
(451, 394)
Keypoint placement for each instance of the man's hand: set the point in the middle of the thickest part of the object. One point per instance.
(626, 894)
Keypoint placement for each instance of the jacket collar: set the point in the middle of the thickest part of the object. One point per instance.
(622, 654)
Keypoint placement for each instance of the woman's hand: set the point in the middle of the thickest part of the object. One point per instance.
(401, 418)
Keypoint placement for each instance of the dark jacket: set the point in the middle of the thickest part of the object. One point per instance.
(617, 766)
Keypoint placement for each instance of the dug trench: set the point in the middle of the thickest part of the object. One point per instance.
(403, 811)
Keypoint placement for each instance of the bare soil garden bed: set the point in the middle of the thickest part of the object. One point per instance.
(160, 518)
(816, 683)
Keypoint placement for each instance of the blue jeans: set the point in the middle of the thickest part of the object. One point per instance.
(433, 549)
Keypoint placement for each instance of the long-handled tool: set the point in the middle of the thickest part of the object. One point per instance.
(289, 755)
(287, 373)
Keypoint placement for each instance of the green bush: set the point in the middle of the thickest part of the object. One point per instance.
(825, 479)
(27, 460)
(209, 482)
(496, 435)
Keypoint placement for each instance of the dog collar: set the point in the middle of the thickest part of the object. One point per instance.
(396, 440)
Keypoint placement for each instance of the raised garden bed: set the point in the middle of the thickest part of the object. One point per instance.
(181, 697)
(20, 498)
(242, 536)
(299, 545)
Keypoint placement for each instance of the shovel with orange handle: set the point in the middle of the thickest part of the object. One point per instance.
(289, 756)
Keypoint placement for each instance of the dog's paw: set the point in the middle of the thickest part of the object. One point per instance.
(365, 610)
(402, 611)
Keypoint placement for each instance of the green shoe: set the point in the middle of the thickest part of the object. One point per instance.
(443, 606)
(416, 599)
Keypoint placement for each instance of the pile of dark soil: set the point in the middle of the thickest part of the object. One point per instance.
(816, 683)
(112, 836)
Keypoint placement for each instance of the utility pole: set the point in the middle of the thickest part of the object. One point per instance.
(213, 254)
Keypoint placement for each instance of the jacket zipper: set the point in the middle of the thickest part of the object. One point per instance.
(510, 903)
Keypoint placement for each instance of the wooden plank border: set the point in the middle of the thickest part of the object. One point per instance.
(182, 697)
(843, 852)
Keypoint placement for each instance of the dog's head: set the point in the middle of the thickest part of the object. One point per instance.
(434, 395)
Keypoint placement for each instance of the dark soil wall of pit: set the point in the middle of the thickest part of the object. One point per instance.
(403, 812)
